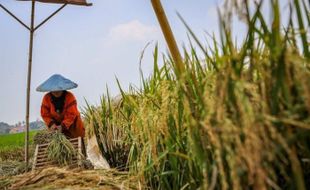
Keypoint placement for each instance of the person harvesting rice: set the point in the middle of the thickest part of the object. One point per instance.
(59, 107)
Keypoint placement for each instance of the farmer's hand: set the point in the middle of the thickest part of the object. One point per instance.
(54, 127)
(59, 128)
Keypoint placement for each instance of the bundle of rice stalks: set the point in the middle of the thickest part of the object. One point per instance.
(60, 150)
(12, 153)
(4, 183)
(62, 178)
(119, 180)
(42, 137)
(110, 135)
(10, 168)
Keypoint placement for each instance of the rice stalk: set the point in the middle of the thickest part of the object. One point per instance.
(60, 150)
(239, 119)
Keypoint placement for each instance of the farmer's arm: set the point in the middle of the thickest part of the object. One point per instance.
(71, 113)
(45, 112)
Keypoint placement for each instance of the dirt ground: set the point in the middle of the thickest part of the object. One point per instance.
(70, 179)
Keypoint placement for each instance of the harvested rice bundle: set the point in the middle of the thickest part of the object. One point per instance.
(11, 168)
(42, 137)
(4, 182)
(60, 150)
(12, 153)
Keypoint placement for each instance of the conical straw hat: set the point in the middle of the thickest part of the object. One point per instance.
(56, 83)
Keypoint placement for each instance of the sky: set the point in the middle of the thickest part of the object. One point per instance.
(89, 45)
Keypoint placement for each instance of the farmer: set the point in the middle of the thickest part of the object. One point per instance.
(59, 107)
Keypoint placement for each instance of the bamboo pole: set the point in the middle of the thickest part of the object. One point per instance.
(166, 29)
(29, 82)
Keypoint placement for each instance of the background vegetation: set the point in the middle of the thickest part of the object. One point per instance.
(237, 118)
(12, 146)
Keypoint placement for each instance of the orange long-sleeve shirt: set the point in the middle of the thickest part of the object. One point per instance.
(69, 118)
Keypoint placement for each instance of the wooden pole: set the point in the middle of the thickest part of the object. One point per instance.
(166, 29)
(29, 83)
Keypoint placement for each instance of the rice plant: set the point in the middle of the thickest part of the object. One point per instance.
(238, 118)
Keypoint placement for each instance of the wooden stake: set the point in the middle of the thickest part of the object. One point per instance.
(166, 29)
(35, 158)
(29, 83)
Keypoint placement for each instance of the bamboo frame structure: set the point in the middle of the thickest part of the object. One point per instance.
(41, 155)
(31, 30)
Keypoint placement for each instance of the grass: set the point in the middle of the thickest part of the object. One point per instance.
(237, 118)
(15, 140)
(12, 146)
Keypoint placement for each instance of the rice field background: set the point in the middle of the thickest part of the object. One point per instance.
(235, 118)
(12, 146)
(15, 140)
